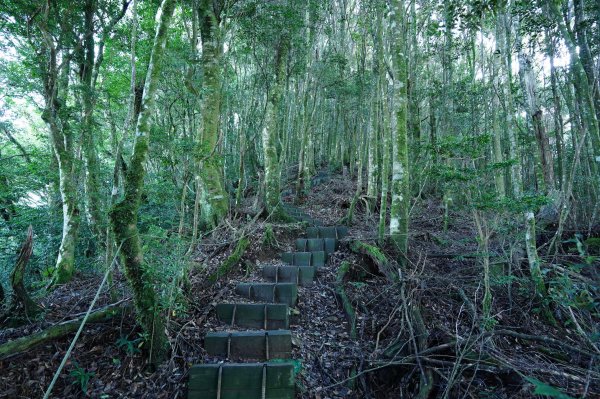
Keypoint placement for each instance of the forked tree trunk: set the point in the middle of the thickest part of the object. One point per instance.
(125, 213)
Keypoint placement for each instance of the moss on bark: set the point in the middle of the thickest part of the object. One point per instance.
(124, 214)
(231, 260)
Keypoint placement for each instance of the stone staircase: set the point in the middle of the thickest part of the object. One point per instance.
(265, 369)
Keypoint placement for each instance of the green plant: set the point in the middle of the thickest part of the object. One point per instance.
(81, 377)
(541, 388)
(269, 236)
(131, 347)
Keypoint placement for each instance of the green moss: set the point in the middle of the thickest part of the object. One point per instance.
(231, 261)
(593, 245)
(371, 250)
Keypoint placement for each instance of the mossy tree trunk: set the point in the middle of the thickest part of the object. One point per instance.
(125, 213)
(214, 200)
(400, 178)
(56, 117)
(305, 166)
(270, 132)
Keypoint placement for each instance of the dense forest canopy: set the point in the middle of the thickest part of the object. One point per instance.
(134, 133)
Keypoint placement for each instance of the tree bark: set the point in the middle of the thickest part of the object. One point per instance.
(125, 213)
(20, 294)
(56, 331)
(400, 178)
(214, 200)
(270, 132)
(534, 112)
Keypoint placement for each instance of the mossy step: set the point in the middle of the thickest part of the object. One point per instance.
(253, 345)
(336, 232)
(316, 258)
(329, 245)
(302, 275)
(242, 381)
(269, 292)
(268, 316)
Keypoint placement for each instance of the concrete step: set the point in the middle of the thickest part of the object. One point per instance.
(269, 292)
(300, 215)
(316, 258)
(249, 345)
(301, 275)
(242, 381)
(336, 232)
(268, 316)
(329, 245)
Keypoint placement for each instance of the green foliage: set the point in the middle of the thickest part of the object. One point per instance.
(541, 388)
(81, 377)
(131, 347)
(269, 238)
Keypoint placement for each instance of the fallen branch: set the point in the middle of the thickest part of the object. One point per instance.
(22, 344)
(341, 294)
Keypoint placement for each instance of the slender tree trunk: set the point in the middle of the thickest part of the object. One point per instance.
(534, 112)
(503, 30)
(57, 120)
(386, 131)
(557, 115)
(587, 61)
(582, 85)
(96, 215)
(400, 179)
(125, 213)
(270, 132)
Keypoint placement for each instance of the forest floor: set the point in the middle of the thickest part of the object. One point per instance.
(445, 285)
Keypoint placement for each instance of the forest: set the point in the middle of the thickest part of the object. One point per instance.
(278, 199)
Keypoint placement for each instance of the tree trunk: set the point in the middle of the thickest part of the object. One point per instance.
(62, 144)
(386, 133)
(400, 178)
(125, 213)
(214, 200)
(535, 114)
(270, 132)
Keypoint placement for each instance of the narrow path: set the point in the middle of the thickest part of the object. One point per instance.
(252, 356)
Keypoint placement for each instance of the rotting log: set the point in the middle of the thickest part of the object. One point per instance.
(343, 297)
(231, 260)
(22, 344)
